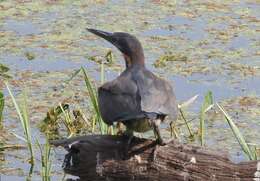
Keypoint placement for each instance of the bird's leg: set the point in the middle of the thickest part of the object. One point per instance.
(119, 127)
(155, 124)
(129, 134)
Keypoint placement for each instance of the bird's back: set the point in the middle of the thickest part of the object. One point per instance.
(136, 93)
(157, 94)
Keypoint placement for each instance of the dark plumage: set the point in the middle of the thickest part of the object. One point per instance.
(137, 98)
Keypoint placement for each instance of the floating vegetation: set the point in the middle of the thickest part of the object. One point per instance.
(220, 39)
(50, 124)
(4, 146)
(58, 117)
(169, 57)
(251, 154)
(97, 59)
(245, 70)
(4, 71)
(108, 59)
(29, 55)
(2, 103)
(3, 68)
(247, 106)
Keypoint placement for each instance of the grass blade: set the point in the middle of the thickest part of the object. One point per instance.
(208, 101)
(46, 163)
(19, 137)
(238, 135)
(93, 97)
(188, 102)
(73, 75)
(102, 73)
(186, 123)
(68, 122)
(2, 103)
(22, 112)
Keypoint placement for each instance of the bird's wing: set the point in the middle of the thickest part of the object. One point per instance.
(118, 100)
(157, 95)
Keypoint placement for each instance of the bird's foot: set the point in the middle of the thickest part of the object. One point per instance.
(163, 142)
(119, 127)
(128, 139)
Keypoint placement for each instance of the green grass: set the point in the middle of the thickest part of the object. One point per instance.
(191, 134)
(208, 102)
(241, 140)
(46, 162)
(92, 91)
(102, 73)
(22, 111)
(182, 107)
(103, 128)
(68, 122)
(2, 103)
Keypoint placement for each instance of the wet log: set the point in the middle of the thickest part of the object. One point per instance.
(97, 157)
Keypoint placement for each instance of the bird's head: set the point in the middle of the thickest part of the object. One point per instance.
(128, 44)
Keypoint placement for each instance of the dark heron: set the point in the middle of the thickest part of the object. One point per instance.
(137, 98)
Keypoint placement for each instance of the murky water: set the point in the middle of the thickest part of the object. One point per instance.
(220, 40)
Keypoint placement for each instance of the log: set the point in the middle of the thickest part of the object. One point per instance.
(103, 157)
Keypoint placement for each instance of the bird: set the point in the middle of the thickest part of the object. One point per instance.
(137, 97)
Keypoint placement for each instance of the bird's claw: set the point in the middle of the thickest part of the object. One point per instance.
(163, 142)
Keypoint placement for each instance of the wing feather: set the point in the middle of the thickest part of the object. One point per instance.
(119, 101)
(156, 94)
(135, 94)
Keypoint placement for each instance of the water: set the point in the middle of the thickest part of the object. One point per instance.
(220, 40)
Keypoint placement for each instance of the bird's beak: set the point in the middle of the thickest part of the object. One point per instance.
(107, 36)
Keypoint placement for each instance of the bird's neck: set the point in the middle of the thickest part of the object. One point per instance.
(134, 61)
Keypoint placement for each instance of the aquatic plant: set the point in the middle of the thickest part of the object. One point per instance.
(4, 71)
(46, 162)
(186, 123)
(181, 107)
(241, 140)
(207, 104)
(169, 57)
(74, 121)
(29, 55)
(93, 98)
(50, 124)
(92, 91)
(68, 122)
(2, 103)
(22, 111)
(109, 57)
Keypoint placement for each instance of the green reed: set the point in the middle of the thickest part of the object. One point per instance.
(241, 140)
(2, 103)
(22, 111)
(46, 162)
(207, 104)
(94, 100)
